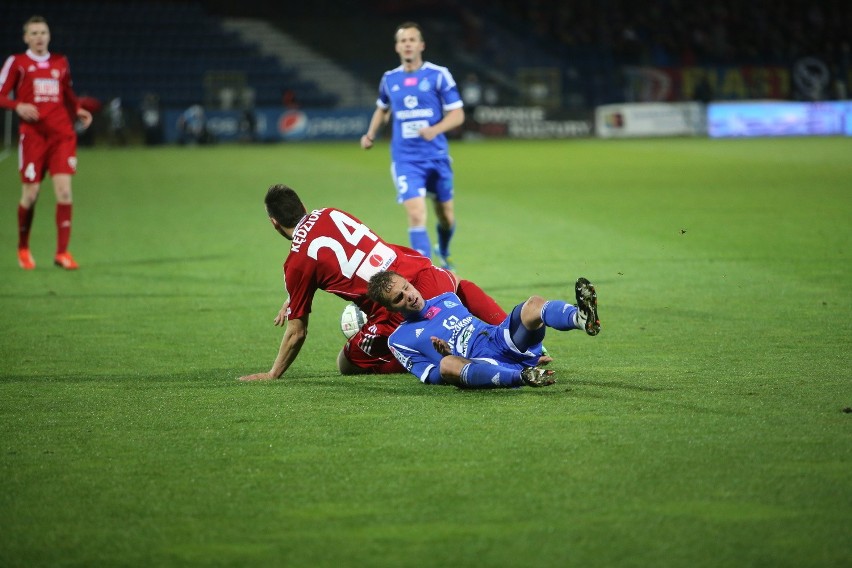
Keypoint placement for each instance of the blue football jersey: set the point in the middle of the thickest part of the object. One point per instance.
(417, 100)
(447, 318)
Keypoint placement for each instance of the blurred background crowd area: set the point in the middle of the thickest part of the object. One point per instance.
(568, 56)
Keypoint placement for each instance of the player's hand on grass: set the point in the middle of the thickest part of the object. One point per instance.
(544, 360)
(257, 377)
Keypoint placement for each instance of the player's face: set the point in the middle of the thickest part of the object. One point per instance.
(37, 37)
(409, 45)
(404, 297)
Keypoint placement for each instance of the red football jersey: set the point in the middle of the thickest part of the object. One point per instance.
(336, 252)
(44, 81)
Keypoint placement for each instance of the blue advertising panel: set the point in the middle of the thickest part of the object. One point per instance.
(272, 125)
(771, 118)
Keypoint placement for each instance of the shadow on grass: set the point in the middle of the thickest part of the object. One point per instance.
(532, 287)
(162, 260)
(620, 385)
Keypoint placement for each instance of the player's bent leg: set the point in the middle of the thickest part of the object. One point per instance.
(367, 354)
(346, 367)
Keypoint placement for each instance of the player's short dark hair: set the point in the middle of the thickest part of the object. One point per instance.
(284, 205)
(407, 25)
(379, 287)
(34, 20)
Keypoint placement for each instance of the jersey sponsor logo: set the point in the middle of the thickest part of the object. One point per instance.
(410, 102)
(410, 81)
(45, 88)
(450, 303)
(462, 342)
(378, 259)
(411, 129)
(414, 113)
(432, 312)
(425, 85)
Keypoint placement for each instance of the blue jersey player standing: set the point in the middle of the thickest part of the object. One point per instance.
(441, 342)
(422, 102)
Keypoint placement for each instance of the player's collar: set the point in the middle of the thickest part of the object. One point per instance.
(39, 58)
(302, 220)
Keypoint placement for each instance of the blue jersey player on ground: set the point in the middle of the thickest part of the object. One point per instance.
(422, 102)
(441, 342)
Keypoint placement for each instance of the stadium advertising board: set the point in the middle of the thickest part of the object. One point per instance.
(779, 118)
(275, 125)
(527, 122)
(650, 119)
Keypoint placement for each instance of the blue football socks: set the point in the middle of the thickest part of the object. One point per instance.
(485, 375)
(419, 239)
(444, 236)
(558, 315)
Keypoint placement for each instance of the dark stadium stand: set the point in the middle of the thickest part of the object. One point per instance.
(129, 49)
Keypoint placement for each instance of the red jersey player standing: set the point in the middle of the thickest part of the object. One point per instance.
(47, 106)
(336, 252)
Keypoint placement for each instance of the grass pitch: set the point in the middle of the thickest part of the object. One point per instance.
(705, 426)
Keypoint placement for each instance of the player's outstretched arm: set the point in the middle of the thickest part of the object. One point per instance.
(291, 344)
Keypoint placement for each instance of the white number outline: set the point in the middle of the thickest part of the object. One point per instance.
(353, 233)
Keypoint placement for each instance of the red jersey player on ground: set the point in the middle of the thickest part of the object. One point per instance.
(47, 106)
(336, 252)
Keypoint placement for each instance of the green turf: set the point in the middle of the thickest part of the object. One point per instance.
(703, 427)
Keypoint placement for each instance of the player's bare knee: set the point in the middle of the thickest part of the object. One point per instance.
(531, 311)
(344, 365)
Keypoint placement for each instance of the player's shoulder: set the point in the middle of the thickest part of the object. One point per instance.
(395, 71)
(445, 299)
(16, 59)
(429, 66)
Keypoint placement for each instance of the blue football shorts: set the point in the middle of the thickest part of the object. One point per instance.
(419, 179)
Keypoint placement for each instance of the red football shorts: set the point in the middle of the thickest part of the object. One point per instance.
(37, 155)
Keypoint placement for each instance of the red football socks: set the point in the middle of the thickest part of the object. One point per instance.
(25, 222)
(479, 303)
(63, 226)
